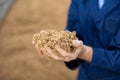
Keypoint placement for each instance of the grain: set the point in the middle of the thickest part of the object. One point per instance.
(51, 38)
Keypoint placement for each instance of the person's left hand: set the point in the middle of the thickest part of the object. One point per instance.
(65, 56)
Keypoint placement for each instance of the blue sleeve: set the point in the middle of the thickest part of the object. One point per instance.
(107, 59)
(73, 14)
(72, 24)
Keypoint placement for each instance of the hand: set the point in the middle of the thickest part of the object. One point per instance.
(65, 56)
(82, 52)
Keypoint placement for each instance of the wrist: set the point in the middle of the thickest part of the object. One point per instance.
(86, 53)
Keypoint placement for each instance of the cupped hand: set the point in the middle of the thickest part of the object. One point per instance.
(65, 56)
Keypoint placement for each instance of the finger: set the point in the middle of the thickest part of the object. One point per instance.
(67, 56)
(78, 50)
(38, 51)
(77, 43)
(62, 52)
(45, 52)
(33, 42)
(41, 31)
(50, 53)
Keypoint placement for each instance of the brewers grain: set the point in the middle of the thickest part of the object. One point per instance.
(51, 38)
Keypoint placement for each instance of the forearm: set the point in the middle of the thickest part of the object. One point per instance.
(86, 54)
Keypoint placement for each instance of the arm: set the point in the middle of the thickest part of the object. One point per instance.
(72, 22)
(104, 59)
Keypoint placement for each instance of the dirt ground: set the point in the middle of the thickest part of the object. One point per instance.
(18, 58)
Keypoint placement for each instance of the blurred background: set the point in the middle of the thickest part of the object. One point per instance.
(19, 21)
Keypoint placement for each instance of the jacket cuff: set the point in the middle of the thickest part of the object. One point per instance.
(97, 58)
(73, 64)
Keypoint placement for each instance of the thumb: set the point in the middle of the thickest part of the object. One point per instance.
(77, 43)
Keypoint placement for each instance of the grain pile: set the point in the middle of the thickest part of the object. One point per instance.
(51, 38)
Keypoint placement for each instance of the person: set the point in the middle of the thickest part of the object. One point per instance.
(97, 24)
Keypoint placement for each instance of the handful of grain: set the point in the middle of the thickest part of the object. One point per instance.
(51, 38)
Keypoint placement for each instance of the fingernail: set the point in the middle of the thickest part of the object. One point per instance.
(77, 43)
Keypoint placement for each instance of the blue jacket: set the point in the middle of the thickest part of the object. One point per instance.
(100, 29)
